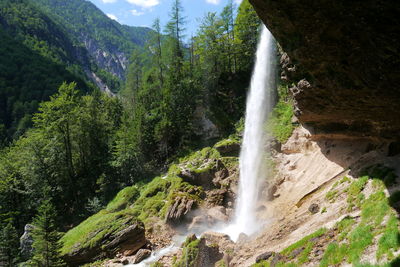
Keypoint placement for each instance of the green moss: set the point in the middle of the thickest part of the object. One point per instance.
(124, 198)
(230, 162)
(91, 231)
(227, 142)
(323, 210)
(202, 160)
(189, 254)
(301, 243)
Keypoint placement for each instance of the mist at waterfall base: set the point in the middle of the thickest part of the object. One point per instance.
(252, 154)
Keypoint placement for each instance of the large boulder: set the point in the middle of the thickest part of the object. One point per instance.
(131, 238)
(343, 57)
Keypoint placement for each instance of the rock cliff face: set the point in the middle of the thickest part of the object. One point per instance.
(343, 57)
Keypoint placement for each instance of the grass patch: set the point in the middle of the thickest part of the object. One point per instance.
(304, 255)
(375, 208)
(389, 240)
(359, 239)
(331, 195)
(334, 255)
(354, 197)
(302, 243)
(344, 227)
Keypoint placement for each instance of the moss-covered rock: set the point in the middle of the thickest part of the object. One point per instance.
(103, 235)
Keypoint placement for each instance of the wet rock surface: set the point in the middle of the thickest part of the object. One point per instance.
(141, 255)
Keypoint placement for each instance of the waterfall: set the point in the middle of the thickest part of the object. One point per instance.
(252, 156)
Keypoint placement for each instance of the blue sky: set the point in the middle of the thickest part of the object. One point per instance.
(143, 12)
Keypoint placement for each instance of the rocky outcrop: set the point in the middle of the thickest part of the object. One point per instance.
(131, 238)
(26, 241)
(343, 57)
(181, 206)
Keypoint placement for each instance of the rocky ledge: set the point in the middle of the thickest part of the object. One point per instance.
(343, 60)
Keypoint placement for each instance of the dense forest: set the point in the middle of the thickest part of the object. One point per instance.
(68, 148)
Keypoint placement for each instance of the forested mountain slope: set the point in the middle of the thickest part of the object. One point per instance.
(107, 42)
(45, 43)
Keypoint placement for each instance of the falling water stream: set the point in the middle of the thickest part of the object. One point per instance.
(252, 154)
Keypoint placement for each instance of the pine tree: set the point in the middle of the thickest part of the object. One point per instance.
(8, 245)
(45, 238)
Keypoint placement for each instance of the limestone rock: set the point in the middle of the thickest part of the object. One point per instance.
(181, 206)
(264, 256)
(349, 88)
(313, 208)
(26, 241)
(218, 214)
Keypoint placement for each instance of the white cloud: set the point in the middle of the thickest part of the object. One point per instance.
(214, 2)
(238, 1)
(112, 16)
(136, 12)
(108, 1)
(145, 3)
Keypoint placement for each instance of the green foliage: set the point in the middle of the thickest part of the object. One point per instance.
(334, 255)
(9, 244)
(344, 227)
(280, 122)
(45, 238)
(390, 240)
(68, 151)
(303, 242)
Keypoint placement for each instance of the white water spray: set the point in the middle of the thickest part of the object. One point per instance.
(251, 164)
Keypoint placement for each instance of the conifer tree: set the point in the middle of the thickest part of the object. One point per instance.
(8, 245)
(45, 238)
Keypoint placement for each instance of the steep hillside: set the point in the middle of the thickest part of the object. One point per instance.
(108, 43)
(36, 57)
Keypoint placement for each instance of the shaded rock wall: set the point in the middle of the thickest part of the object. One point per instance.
(343, 57)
